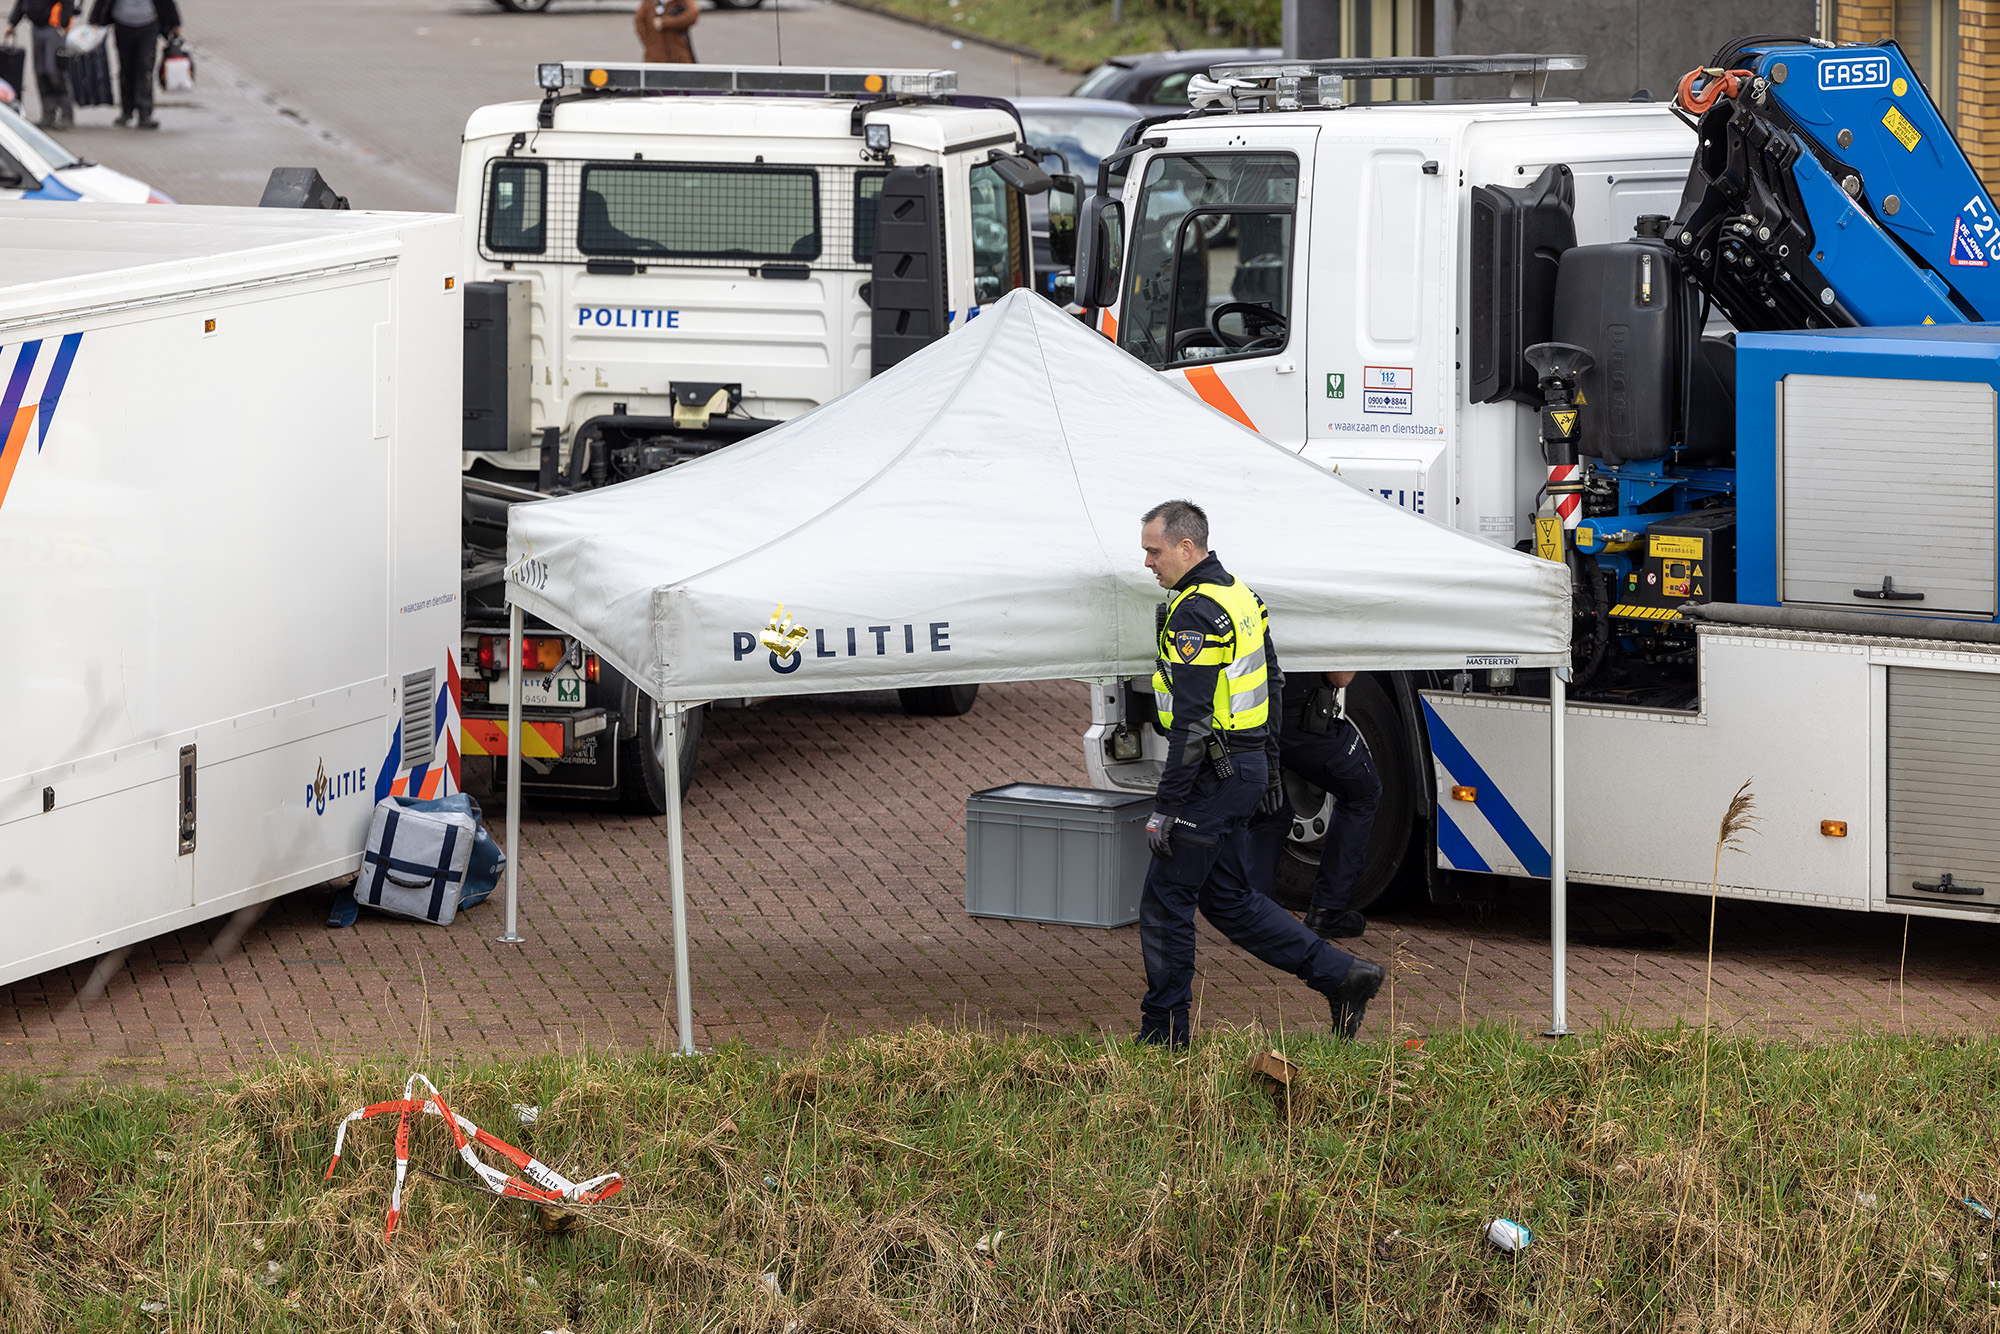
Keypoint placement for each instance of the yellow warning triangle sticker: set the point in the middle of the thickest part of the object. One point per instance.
(1697, 571)
(1565, 421)
(1580, 401)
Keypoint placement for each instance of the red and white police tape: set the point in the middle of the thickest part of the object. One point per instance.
(544, 1184)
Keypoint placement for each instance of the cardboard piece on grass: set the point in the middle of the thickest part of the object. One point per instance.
(1272, 1070)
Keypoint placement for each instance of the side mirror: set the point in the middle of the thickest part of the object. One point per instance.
(1100, 251)
(1065, 202)
(1023, 176)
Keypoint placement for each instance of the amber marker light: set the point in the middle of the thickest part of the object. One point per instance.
(873, 83)
(598, 78)
(1465, 794)
(1833, 828)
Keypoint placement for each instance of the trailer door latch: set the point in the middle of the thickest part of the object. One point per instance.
(1945, 886)
(1888, 592)
(187, 800)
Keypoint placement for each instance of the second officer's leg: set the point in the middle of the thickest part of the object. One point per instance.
(1339, 763)
(1166, 917)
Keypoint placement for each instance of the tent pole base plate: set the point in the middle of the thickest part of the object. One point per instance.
(511, 940)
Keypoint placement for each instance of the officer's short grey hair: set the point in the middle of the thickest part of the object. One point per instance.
(1180, 519)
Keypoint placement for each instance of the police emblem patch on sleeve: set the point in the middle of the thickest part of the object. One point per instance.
(1187, 643)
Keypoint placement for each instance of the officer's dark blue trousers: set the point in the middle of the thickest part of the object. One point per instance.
(1336, 761)
(1211, 870)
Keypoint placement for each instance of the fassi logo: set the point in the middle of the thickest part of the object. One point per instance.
(854, 641)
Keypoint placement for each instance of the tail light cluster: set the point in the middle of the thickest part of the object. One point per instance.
(539, 653)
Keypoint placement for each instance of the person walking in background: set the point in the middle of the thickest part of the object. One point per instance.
(49, 20)
(663, 30)
(136, 28)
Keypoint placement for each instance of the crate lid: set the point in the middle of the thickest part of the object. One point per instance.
(1049, 794)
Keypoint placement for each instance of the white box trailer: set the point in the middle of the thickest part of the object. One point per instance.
(229, 503)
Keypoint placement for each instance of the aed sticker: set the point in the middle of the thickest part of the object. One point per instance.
(1675, 548)
(1549, 538)
(1899, 125)
(562, 688)
(1336, 385)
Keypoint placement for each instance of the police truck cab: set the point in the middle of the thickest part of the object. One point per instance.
(668, 258)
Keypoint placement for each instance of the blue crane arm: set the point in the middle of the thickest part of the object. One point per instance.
(1828, 192)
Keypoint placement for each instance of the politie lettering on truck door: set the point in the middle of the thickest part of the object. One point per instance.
(628, 317)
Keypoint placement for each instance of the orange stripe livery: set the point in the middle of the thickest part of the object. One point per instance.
(1216, 394)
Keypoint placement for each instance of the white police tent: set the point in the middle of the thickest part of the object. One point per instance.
(972, 516)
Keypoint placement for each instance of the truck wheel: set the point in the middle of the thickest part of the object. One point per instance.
(523, 6)
(938, 701)
(642, 784)
(1370, 709)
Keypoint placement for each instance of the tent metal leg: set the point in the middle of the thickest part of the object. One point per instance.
(513, 936)
(670, 767)
(1558, 859)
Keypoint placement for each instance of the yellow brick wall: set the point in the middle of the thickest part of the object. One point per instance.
(1979, 87)
(1978, 120)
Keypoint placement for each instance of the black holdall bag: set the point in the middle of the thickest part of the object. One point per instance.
(415, 862)
(90, 81)
(14, 68)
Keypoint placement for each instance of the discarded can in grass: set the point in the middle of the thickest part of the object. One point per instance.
(1508, 1235)
(1977, 1210)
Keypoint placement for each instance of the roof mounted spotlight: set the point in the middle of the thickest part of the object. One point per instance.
(549, 78)
(875, 138)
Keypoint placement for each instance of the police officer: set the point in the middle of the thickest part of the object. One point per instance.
(1212, 691)
(1320, 745)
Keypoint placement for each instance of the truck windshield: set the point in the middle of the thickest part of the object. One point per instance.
(687, 211)
(1211, 258)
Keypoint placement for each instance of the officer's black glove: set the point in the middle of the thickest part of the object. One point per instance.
(1160, 835)
(1273, 799)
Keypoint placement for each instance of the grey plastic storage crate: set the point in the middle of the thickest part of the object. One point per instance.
(1068, 855)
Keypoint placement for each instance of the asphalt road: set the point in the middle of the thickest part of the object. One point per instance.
(375, 92)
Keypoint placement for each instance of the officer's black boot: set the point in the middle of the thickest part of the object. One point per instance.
(1350, 1000)
(1331, 923)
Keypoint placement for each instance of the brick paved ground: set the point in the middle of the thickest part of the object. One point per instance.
(826, 881)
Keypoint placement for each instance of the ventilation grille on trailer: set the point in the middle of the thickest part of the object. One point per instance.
(419, 705)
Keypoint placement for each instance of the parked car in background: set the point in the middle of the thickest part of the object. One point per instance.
(1160, 78)
(1081, 131)
(33, 165)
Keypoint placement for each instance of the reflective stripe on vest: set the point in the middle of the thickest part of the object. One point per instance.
(1243, 686)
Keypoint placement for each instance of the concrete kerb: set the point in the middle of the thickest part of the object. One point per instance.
(1013, 48)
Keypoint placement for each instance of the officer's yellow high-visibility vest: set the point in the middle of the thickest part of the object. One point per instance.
(1243, 686)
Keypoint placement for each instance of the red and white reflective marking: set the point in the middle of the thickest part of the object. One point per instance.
(549, 1186)
(1570, 505)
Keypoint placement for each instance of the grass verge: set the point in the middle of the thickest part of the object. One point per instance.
(846, 1190)
(1079, 34)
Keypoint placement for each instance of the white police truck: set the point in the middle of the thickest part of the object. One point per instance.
(667, 258)
(1731, 362)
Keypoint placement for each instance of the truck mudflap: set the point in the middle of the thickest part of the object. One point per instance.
(1479, 827)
